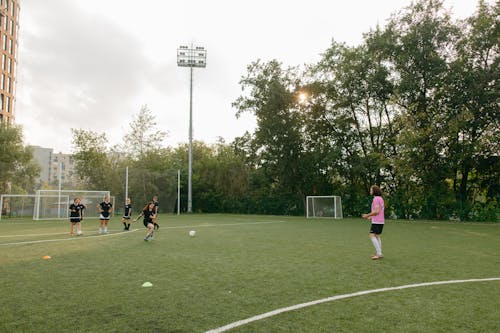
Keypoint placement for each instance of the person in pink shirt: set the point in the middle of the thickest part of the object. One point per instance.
(376, 216)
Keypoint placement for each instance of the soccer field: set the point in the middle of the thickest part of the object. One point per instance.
(244, 266)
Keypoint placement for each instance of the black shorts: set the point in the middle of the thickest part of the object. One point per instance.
(74, 219)
(376, 229)
(126, 217)
(147, 222)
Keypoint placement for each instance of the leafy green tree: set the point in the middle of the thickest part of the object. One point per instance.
(92, 163)
(421, 38)
(474, 118)
(278, 140)
(143, 136)
(18, 170)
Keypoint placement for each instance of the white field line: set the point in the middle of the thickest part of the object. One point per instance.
(67, 239)
(205, 225)
(334, 298)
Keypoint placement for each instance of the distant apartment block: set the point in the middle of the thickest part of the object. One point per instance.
(54, 165)
(9, 26)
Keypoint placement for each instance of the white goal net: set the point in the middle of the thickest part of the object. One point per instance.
(327, 206)
(54, 204)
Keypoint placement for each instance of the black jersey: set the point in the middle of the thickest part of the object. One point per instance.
(106, 208)
(148, 215)
(74, 210)
(81, 207)
(128, 210)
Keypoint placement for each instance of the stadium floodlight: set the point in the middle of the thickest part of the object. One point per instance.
(190, 56)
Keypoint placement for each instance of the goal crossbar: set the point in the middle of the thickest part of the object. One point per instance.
(324, 206)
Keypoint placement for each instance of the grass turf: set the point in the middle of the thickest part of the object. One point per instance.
(241, 266)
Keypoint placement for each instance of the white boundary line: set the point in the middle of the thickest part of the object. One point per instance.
(334, 298)
(67, 239)
(205, 225)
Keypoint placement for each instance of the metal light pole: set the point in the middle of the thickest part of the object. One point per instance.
(190, 56)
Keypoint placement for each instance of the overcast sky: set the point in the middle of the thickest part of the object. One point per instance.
(92, 64)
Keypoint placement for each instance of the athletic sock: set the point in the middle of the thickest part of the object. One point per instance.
(376, 245)
(380, 245)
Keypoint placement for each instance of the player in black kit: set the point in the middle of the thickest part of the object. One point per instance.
(149, 214)
(126, 215)
(105, 214)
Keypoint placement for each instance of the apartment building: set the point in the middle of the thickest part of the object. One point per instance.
(9, 26)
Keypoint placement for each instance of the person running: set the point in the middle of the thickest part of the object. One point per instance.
(149, 214)
(75, 217)
(376, 216)
(105, 212)
(155, 201)
(126, 215)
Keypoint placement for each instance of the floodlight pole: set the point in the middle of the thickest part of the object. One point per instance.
(191, 57)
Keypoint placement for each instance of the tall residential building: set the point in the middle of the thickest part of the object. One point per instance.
(54, 165)
(9, 26)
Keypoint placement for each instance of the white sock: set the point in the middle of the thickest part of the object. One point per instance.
(380, 245)
(376, 245)
(100, 229)
(105, 229)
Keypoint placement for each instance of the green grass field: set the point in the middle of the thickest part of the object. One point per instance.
(238, 267)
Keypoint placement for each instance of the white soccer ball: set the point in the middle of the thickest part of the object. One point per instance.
(192, 233)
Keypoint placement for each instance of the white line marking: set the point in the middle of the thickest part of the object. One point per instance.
(334, 298)
(120, 233)
(66, 239)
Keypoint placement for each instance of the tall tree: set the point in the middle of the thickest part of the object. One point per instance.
(18, 170)
(143, 136)
(278, 139)
(474, 118)
(92, 164)
(421, 38)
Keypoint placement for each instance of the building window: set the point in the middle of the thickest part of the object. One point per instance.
(2, 82)
(9, 66)
(7, 104)
(8, 85)
(4, 57)
(1, 101)
(10, 46)
(11, 27)
(4, 42)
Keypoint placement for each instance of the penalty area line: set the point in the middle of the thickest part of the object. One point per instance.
(334, 298)
(67, 239)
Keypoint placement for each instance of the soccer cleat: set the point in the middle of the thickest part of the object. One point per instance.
(146, 238)
(376, 257)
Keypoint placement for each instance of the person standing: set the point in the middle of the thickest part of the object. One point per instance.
(127, 214)
(105, 213)
(82, 209)
(156, 203)
(75, 216)
(149, 214)
(376, 216)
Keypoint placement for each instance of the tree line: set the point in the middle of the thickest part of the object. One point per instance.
(414, 108)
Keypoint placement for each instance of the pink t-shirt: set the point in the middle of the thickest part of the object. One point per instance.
(379, 218)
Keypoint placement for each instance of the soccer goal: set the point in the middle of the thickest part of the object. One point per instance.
(327, 206)
(17, 205)
(54, 204)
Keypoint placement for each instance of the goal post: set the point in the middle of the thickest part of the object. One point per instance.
(324, 206)
(17, 205)
(54, 204)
